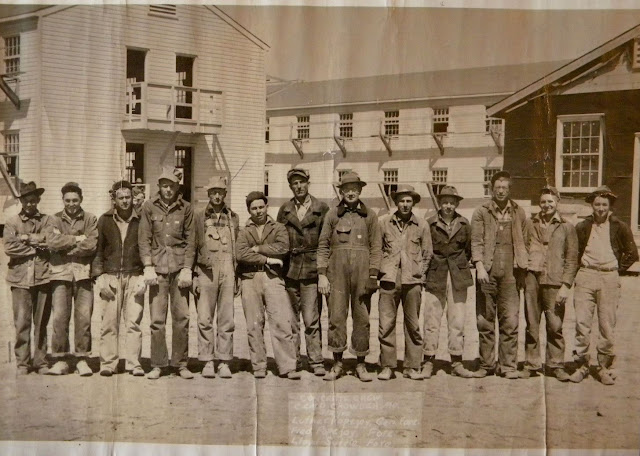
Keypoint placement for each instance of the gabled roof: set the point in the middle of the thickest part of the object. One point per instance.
(460, 83)
(574, 65)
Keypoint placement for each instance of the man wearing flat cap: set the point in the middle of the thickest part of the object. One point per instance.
(605, 248)
(25, 236)
(406, 250)
(303, 217)
(165, 231)
(552, 246)
(500, 256)
(349, 255)
(216, 231)
(448, 278)
(262, 246)
(72, 246)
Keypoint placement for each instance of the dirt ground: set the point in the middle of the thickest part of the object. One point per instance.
(453, 412)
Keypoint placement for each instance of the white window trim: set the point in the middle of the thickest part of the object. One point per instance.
(560, 137)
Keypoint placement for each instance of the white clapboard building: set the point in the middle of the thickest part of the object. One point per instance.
(423, 129)
(94, 93)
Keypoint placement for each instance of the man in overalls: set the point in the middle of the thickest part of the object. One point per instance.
(500, 256)
(349, 255)
(216, 231)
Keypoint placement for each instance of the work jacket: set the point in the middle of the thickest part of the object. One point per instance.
(71, 260)
(303, 238)
(622, 243)
(213, 237)
(274, 243)
(112, 255)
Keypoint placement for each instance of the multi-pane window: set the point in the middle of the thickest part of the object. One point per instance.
(346, 125)
(494, 124)
(12, 54)
(390, 181)
(392, 123)
(488, 174)
(11, 152)
(266, 182)
(134, 162)
(439, 178)
(440, 120)
(303, 127)
(266, 131)
(579, 155)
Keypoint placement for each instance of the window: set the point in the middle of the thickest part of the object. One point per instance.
(579, 152)
(494, 124)
(266, 131)
(303, 127)
(488, 174)
(391, 123)
(346, 125)
(11, 151)
(439, 178)
(390, 181)
(163, 10)
(134, 160)
(183, 162)
(440, 120)
(266, 182)
(184, 78)
(12, 54)
(135, 75)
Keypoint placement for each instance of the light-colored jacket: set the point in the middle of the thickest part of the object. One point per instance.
(71, 259)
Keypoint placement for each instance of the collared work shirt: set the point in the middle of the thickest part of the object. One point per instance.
(123, 224)
(215, 236)
(302, 209)
(598, 252)
(71, 260)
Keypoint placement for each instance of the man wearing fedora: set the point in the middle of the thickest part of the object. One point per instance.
(552, 246)
(166, 228)
(605, 248)
(25, 236)
(349, 255)
(72, 246)
(262, 246)
(303, 217)
(500, 256)
(448, 278)
(216, 230)
(406, 250)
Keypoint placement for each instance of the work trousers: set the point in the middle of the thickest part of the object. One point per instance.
(63, 293)
(262, 294)
(391, 295)
(216, 294)
(539, 299)
(127, 303)
(158, 306)
(306, 302)
(31, 305)
(601, 290)
(454, 300)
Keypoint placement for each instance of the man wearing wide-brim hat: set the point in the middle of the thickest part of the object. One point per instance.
(25, 236)
(406, 251)
(165, 231)
(448, 279)
(349, 255)
(216, 230)
(605, 248)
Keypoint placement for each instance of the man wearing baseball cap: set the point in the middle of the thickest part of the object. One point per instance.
(406, 251)
(552, 246)
(72, 246)
(303, 217)
(500, 256)
(605, 248)
(349, 255)
(216, 231)
(166, 229)
(25, 236)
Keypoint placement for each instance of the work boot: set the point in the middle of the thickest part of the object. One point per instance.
(185, 373)
(385, 374)
(482, 372)
(154, 374)
(413, 374)
(362, 373)
(458, 369)
(581, 372)
(208, 371)
(427, 368)
(260, 373)
(294, 375)
(83, 369)
(138, 371)
(106, 372)
(59, 368)
(22, 370)
(43, 370)
(223, 370)
(605, 376)
(511, 375)
(337, 371)
(527, 373)
(561, 374)
(319, 370)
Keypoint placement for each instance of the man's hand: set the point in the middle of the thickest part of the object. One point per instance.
(80, 238)
(563, 294)
(105, 289)
(324, 286)
(254, 249)
(24, 238)
(150, 276)
(521, 275)
(195, 287)
(140, 287)
(371, 286)
(274, 262)
(185, 278)
(481, 273)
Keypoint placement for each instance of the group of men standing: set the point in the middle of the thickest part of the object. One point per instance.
(281, 268)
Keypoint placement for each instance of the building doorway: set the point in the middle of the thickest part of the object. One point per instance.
(184, 162)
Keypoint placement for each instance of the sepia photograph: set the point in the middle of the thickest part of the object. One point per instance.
(312, 228)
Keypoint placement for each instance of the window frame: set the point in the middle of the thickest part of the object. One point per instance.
(392, 123)
(10, 156)
(436, 184)
(567, 118)
(345, 127)
(12, 57)
(486, 183)
(441, 118)
(303, 126)
(390, 183)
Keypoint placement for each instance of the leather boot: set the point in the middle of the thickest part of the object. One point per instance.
(604, 373)
(458, 369)
(582, 371)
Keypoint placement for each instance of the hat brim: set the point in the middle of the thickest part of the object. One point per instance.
(36, 191)
(610, 196)
(361, 184)
(416, 197)
(458, 197)
(172, 179)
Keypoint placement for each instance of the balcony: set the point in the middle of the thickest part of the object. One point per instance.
(172, 108)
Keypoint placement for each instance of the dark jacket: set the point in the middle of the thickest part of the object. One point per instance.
(274, 244)
(303, 238)
(451, 253)
(556, 260)
(622, 243)
(204, 246)
(112, 255)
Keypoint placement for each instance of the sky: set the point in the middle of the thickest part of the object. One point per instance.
(319, 43)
